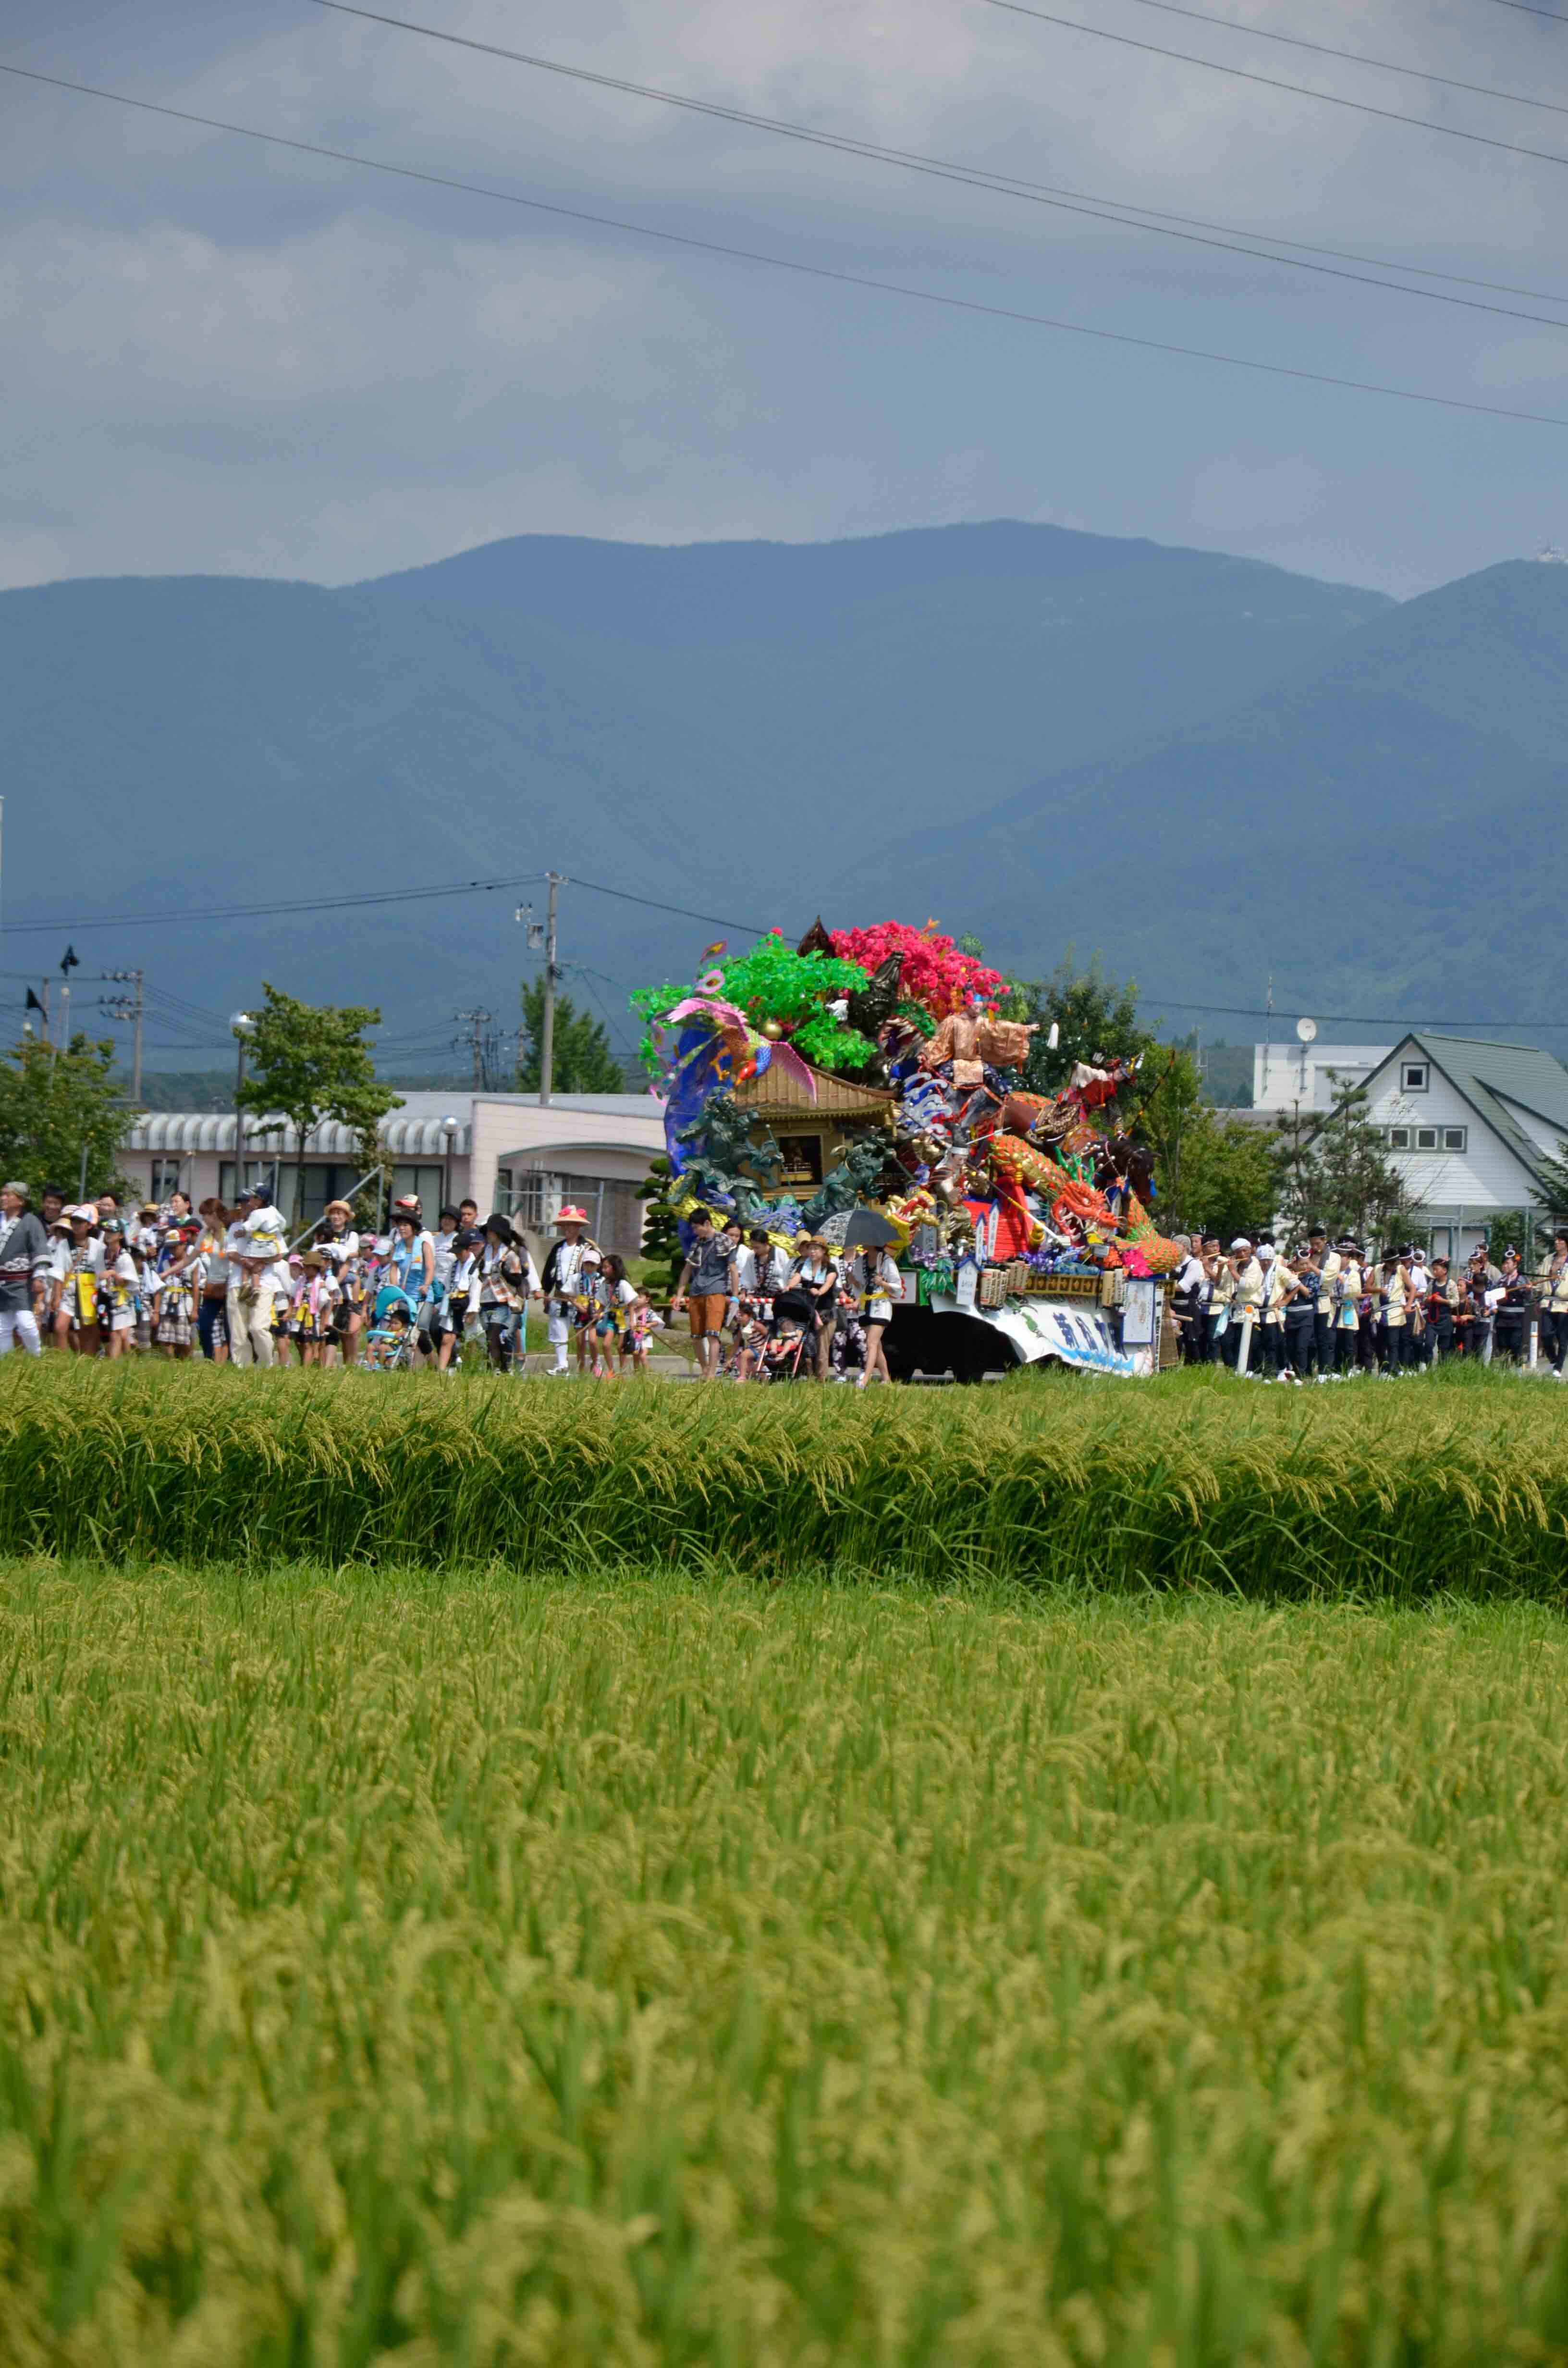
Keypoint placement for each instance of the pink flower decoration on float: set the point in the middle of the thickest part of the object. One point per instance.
(711, 982)
(936, 974)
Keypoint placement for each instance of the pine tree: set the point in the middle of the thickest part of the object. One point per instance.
(1093, 1015)
(661, 1228)
(1336, 1171)
(580, 1058)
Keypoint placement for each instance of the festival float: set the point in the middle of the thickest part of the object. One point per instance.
(868, 1084)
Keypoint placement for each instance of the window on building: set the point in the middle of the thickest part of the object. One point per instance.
(1456, 1138)
(535, 1196)
(1414, 1076)
(425, 1183)
(324, 1180)
(1426, 1138)
(166, 1180)
(1399, 1138)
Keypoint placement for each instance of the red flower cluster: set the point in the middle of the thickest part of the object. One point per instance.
(935, 975)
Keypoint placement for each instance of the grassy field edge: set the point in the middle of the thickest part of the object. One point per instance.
(1401, 1493)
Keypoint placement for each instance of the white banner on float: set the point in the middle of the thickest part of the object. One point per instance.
(1038, 1329)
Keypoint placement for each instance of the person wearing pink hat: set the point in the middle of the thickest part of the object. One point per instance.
(563, 1278)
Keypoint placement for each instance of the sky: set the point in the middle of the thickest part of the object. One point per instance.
(225, 358)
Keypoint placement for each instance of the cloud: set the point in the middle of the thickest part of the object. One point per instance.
(228, 357)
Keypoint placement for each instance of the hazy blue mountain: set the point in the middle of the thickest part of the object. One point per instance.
(1376, 829)
(751, 729)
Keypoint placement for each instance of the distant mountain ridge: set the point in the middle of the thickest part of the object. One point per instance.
(1367, 830)
(1014, 728)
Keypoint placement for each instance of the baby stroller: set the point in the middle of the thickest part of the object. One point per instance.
(791, 1347)
(388, 1344)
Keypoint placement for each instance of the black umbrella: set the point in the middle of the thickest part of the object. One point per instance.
(868, 1230)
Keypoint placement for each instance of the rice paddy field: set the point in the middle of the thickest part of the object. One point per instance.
(1367, 1490)
(443, 1937)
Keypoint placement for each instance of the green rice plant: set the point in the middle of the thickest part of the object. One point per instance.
(636, 1975)
(1396, 1492)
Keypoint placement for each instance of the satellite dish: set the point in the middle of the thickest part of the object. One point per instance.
(1307, 1031)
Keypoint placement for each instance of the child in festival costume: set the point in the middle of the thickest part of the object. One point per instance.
(118, 1286)
(788, 1353)
(462, 1298)
(612, 1295)
(76, 1298)
(753, 1339)
(643, 1320)
(586, 1307)
(388, 1335)
(314, 1300)
(144, 1250)
(173, 1300)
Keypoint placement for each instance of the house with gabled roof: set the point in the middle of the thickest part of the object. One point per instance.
(1471, 1125)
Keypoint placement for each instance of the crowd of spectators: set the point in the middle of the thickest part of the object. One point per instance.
(1316, 1311)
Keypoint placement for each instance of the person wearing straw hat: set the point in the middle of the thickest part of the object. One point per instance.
(262, 1250)
(75, 1311)
(563, 1278)
(25, 1257)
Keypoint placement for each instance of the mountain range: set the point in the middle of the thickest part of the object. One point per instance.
(1208, 768)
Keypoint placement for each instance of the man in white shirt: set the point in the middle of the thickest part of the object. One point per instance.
(262, 1249)
(1327, 1264)
(1246, 1300)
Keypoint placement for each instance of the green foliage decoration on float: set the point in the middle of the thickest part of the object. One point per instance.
(772, 982)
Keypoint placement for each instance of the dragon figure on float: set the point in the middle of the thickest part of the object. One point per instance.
(878, 1070)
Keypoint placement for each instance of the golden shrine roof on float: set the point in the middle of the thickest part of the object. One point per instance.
(776, 1094)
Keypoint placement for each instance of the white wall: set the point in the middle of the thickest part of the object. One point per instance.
(519, 1136)
(1287, 1073)
(1484, 1177)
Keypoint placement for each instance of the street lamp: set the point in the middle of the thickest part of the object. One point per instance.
(242, 1027)
(449, 1133)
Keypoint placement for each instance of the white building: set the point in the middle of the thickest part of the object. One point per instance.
(1471, 1125)
(1468, 1122)
(1289, 1075)
(502, 1150)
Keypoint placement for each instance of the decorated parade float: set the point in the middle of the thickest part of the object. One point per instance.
(867, 1086)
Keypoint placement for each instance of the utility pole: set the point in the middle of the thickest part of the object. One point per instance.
(476, 1022)
(242, 1027)
(547, 1035)
(127, 1007)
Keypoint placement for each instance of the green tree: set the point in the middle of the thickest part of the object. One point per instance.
(1228, 1180)
(661, 1229)
(581, 1059)
(1091, 1014)
(310, 1062)
(1335, 1170)
(56, 1106)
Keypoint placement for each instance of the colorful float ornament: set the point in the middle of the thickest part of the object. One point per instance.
(715, 1050)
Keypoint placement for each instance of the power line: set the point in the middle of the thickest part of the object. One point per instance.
(1525, 9)
(255, 912)
(1167, 7)
(1357, 1018)
(974, 177)
(1272, 81)
(716, 920)
(966, 304)
(1351, 57)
